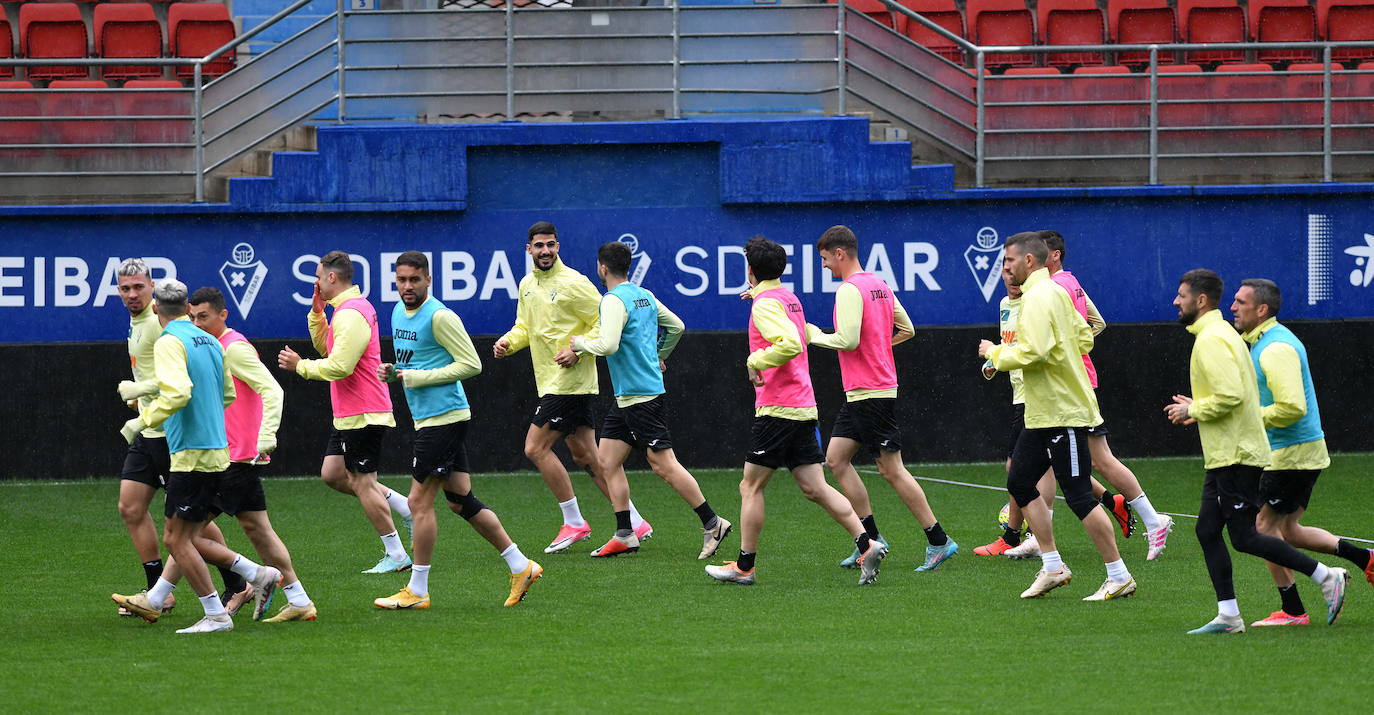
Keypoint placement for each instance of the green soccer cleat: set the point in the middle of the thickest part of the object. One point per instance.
(390, 565)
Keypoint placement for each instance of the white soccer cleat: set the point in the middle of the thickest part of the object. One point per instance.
(1047, 581)
(264, 588)
(211, 624)
(1333, 591)
(1029, 548)
(1112, 590)
(711, 538)
(1157, 537)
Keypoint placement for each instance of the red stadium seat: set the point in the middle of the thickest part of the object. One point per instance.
(1212, 21)
(19, 104)
(1110, 88)
(160, 104)
(1174, 87)
(1283, 21)
(52, 30)
(127, 30)
(1002, 22)
(100, 105)
(6, 46)
(1071, 22)
(196, 30)
(1347, 21)
(941, 12)
(1251, 81)
(1038, 87)
(1141, 22)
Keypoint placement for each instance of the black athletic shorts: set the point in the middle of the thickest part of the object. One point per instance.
(1234, 487)
(361, 448)
(147, 462)
(640, 424)
(776, 442)
(564, 413)
(240, 489)
(1018, 423)
(1287, 490)
(872, 422)
(1098, 431)
(439, 451)
(1065, 449)
(191, 495)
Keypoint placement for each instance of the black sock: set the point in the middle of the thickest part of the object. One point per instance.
(1011, 536)
(870, 526)
(706, 514)
(152, 570)
(1354, 554)
(233, 583)
(622, 521)
(861, 542)
(1292, 603)
(1108, 500)
(936, 535)
(746, 561)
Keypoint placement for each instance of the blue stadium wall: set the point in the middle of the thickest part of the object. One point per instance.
(685, 196)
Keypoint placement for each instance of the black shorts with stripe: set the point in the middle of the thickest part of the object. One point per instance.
(776, 442)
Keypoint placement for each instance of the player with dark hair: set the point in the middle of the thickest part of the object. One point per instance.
(351, 348)
(1225, 404)
(1051, 339)
(147, 463)
(866, 313)
(1132, 496)
(251, 424)
(630, 319)
(1292, 422)
(194, 387)
(784, 431)
(556, 303)
(434, 354)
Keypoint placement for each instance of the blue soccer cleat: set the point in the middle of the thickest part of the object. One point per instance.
(936, 555)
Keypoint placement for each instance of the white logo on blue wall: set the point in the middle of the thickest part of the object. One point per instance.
(1363, 274)
(642, 260)
(984, 259)
(243, 277)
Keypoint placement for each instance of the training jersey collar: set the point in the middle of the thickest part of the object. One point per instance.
(1205, 320)
(1036, 276)
(350, 294)
(1253, 336)
(765, 286)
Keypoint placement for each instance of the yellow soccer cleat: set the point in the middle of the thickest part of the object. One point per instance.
(294, 613)
(138, 605)
(405, 598)
(520, 582)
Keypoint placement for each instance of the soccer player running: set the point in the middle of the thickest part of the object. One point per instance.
(630, 319)
(433, 356)
(784, 432)
(1117, 474)
(147, 463)
(194, 387)
(1225, 404)
(1051, 339)
(866, 313)
(556, 303)
(351, 347)
(251, 424)
(1288, 406)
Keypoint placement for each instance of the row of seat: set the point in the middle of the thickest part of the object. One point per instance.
(120, 29)
(1250, 94)
(42, 117)
(1126, 22)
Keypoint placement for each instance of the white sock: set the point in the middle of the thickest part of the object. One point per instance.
(295, 594)
(1116, 571)
(419, 580)
(160, 591)
(245, 568)
(572, 516)
(1050, 561)
(1146, 510)
(514, 559)
(212, 605)
(398, 503)
(635, 518)
(1228, 608)
(392, 543)
(1321, 573)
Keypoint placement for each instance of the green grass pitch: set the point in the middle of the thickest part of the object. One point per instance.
(651, 632)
